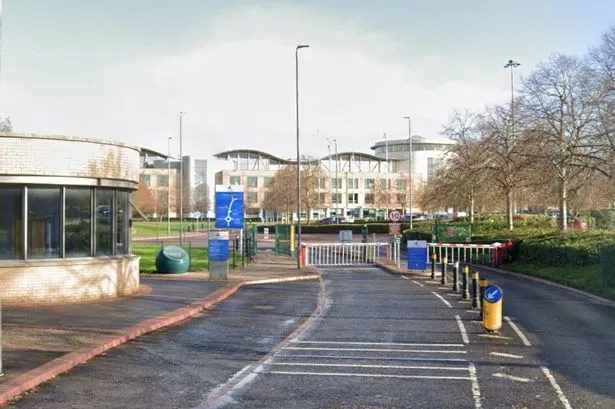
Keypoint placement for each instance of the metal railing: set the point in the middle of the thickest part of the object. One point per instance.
(466, 252)
(345, 254)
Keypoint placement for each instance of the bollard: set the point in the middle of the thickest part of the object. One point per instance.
(465, 294)
(482, 284)
(433, 266)
(443, 278)
(456, 277)
(475, 293)
(492, 308)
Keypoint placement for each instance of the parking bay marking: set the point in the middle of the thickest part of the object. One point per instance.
(426, 351)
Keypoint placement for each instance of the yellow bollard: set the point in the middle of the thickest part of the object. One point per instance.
(492, 308)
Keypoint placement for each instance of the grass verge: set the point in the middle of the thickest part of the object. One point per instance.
(198, 255)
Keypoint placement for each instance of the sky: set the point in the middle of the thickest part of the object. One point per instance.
(124, 69)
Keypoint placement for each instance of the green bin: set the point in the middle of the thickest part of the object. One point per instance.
(172, 260)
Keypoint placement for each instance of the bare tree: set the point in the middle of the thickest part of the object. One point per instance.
(201, 198)
(144, 199)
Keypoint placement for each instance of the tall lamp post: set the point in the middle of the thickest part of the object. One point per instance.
(409, 166)
(298, 153)
(512, 64)
(181, 180)
(169, 186)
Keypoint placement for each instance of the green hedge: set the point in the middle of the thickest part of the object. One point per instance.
(607, 257)
(378, 228)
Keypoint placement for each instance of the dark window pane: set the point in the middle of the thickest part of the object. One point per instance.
(104, 222)
(121, 208)
(78, 222)
(44, 227)
(11, 219)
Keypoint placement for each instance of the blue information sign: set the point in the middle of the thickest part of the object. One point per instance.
(229, 207)
(218, 246)
(492, 294)
(417, 255)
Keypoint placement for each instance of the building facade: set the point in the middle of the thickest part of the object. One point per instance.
(65, 221)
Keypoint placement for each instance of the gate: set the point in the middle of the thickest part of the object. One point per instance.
(283, 245)
(467, 252)
(345, 254)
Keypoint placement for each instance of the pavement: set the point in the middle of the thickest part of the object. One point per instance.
(39, 343)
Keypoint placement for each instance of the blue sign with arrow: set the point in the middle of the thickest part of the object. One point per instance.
(492, 294)
(229, 207)
(417, 254)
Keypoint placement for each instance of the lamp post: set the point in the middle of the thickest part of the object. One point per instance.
(169, 186)
(337, 185)
(329, 171)
(409, 166)
(181, 181)
(298, 153)
(512, 64)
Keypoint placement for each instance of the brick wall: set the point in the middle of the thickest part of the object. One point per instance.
(69, 280)
(41, 155)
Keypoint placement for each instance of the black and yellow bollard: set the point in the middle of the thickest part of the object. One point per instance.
(475, 290)
(482, 284)
(433, 266)
(492, 308)
(444, 265)
(456, 277)
(465, 283)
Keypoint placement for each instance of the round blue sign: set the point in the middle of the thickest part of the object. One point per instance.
(492, 294)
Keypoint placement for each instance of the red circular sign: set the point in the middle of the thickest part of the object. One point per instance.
(395, 215)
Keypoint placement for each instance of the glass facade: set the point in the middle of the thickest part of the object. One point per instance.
(63, 222)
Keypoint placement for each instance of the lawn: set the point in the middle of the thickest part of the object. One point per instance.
(159, 228)
(198, 256)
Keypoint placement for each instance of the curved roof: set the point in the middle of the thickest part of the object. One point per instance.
(416, 140)
(245, 152)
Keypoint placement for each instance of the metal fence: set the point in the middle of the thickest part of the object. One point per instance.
(466, 252)
(345, 254)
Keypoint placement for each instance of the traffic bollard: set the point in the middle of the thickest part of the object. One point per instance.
(465, 294)
(444, 265)
(475, 293)
(482, 284)
(456, 277)
(433, 266)
(492, 308)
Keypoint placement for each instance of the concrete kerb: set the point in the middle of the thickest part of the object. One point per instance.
(31, 379)
(593, 297)
(394, 270)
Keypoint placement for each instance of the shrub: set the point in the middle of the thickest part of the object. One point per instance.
(607, 259)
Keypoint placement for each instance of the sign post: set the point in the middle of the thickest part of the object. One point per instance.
(417, 255)
(229, 207)
(218, 254)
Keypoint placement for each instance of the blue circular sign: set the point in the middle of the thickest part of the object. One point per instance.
(492, 294)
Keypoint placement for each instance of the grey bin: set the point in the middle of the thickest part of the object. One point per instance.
(172, 260)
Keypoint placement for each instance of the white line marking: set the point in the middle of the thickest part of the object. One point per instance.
(464, 301)
(365, 375)
(475, 387)
(427, 351)
(436, 368)
(493, 336)
(405, 277)
(370, 358)
(521, 335)
(443, 288)
(476, 311)
(462, 328)
(377, 343)
(416, 282)
(448, 304)
(512, 378)
(558, 390)
(502, 354)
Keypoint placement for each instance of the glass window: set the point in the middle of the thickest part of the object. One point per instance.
(252, 181)
(369, 183)
(322, 183)
(44, 208)
(78, 222)
(251, 198)
(336, 183)
(163, 180)
(401, 198)
(146, 180)
(322, 198)
(369, 198)
(384, 184)
(401, 184)
(122, 211)
(353, 183)
(337, 198)
(104, 222)
(11, 219)
(267, 180)
(235, 180)
(353, 198)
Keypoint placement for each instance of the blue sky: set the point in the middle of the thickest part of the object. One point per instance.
(122, 70)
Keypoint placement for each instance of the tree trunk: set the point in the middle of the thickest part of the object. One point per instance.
(563, 204)
(471, 206)
(509, 209)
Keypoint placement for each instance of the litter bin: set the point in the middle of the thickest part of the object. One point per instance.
(172, 260)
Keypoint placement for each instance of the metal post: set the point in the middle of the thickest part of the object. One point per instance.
(298, 181)
(456, 277)
(465, 294)
(433, 266)
(409, 167)
(181, 180)
(475, 290)
(169, 186)
(444, 268)
(337, 187)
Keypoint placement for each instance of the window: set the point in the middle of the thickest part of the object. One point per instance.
(401, 184)
(353, 183)
(353, 198)
(104, 222)
(322, 198)
(432, 167)
(337, 198)
(322, 183)
(44, 207)
(251, 198)
(384, 184)
(122, 211)
(336, 183)
(146, 180)
(235, 180)
(163, 180)
(401, 198)
(369, 183)
(78, 222)
(11, 219)
(267, 181)
(369, 198)
(252, 181)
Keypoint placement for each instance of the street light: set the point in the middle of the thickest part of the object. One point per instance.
(512, 64)
(169, 186)
(410, 166)
(298, 153)
(181, 181)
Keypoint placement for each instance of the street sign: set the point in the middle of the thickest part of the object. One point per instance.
(345, 236)
(417, 254)
(218, 245)
(394, 228)
(229, 207)
(492, 294)
(395, 215)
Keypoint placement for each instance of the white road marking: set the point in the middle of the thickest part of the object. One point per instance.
(405, 277)
(365, 375)
(476, 311)
(511, 377)
(443, 288)
(475, 388)
(464, 301)
(502, 354)
(493, 336)
(521, 335)
(376, 343)
(462, 328)
(448, 304)
(555, 385)
(370, 358)
(416, 282)
(435, 368)
(427, 351)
